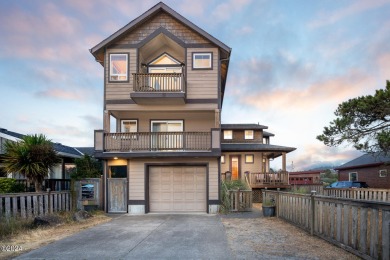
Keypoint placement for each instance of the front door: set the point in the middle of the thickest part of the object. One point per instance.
(235, 164)
(167, 135)
(117, 189)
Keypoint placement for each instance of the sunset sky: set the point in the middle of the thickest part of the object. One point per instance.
(292, 63)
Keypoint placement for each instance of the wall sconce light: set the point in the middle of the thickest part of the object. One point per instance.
(115, 158)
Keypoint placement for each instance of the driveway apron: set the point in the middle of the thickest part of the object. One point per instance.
(144, 237)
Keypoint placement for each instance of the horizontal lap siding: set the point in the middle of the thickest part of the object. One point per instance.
(202, 84)
(136, 180)
(116, 91)
(137, 175)
(213, 180)
(193, 121)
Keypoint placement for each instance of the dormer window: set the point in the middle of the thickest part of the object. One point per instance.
(248, 134)
(119, 67)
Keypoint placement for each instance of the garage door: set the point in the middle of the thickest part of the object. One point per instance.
(177, 189)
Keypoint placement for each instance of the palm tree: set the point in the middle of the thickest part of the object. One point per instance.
(33, 156)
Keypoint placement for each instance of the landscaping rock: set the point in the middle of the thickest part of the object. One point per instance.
(81, 215)
(47, 221)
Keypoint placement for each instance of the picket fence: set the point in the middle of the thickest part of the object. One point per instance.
(26, 205)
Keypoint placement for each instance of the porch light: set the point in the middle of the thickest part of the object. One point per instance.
(115, 158)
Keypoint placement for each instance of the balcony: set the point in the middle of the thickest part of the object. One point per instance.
(158, 88)
(146, 144)
(269, 180)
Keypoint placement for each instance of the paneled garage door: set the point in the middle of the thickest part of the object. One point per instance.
(177, 189)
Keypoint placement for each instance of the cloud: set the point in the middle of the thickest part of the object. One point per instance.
(245, 30)
(317, 154)
(93, 121)
(226, 10)
(58, 93)
(357, 7)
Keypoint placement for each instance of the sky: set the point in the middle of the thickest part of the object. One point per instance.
(292, 63)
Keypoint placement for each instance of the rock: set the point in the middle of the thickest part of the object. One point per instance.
(81, 215)
(46, 221)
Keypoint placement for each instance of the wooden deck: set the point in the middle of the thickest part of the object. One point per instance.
(268, 180)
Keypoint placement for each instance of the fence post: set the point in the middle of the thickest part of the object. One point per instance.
(313, 193)
(49, 202)
(277, 203)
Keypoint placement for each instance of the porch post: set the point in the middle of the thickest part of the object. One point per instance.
(106, 121)
(217, 118)
(284, 161)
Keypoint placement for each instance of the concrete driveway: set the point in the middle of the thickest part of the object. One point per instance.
(144, 237)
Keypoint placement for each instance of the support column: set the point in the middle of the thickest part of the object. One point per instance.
(106, 121)
(284, 161)
(217, 118)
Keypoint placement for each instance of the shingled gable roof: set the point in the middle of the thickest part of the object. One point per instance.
(62, 150)
(366, 160)
(152, 11)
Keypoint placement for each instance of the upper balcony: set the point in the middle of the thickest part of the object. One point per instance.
(157, 143)
(158, 88)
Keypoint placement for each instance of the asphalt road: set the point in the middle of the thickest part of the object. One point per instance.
(144, 237)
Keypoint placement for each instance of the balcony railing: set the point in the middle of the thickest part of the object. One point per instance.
(270, 180)
(158, 82)
(157, 141)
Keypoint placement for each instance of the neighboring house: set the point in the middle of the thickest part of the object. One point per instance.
(164, 83)
(305, 177)
(66, 153)
(246, 154)
(374, 169)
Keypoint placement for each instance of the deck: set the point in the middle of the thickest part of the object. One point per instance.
(261, 180)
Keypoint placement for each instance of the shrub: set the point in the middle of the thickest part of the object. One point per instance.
(8, 185)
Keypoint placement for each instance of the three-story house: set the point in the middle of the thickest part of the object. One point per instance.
(164, 82)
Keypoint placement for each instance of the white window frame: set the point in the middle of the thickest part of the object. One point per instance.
(131, 121)
(349, 176)
(383, 173)
(249, 134)
(119, 75)
(225, 136)
(210, 58)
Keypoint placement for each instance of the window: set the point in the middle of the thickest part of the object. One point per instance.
(222, 158)
(118, 67)
(249, 158)
(202, 60)
(119, 171)
(383, 173)
(353, 176)
(248, 134)
(129, 126)
(228, 134)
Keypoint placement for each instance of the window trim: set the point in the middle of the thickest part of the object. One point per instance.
(210, 67)
(224, 131)
(127, 67)
(253, 135)
(349, 176)
(250, 155)
(383, 173)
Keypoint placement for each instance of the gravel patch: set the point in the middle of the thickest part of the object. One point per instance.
(251, 236)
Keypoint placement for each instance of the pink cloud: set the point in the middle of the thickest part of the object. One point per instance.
(330, 91)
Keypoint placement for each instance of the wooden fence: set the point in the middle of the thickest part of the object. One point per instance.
(309, 187)
(26, 205)
(361, 227)
(240, 200)
(362, 194)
